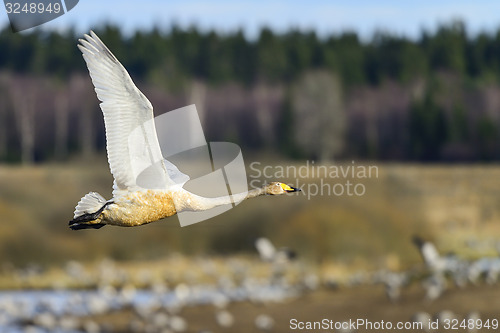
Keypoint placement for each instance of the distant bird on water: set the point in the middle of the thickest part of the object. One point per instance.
(125, 108)
(269, 253)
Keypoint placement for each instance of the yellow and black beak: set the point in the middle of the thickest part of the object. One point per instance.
(289, 189)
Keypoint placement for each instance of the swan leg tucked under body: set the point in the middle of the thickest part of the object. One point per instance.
(125, 109)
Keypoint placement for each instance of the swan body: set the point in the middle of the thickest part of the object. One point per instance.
(127, 112)
(138, 208)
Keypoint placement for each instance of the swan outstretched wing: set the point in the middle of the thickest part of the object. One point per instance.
(131, 139)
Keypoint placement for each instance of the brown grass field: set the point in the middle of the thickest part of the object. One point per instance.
(448, 204)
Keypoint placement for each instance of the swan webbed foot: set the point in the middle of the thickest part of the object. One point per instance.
(80, 226)
(88, 221)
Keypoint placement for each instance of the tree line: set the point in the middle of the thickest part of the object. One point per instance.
(436, 98)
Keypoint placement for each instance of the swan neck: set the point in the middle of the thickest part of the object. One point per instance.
(198, 203)
(255, 192)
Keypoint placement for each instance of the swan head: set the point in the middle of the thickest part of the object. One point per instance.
(276, 188)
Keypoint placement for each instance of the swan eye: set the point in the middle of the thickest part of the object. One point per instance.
(277, 184)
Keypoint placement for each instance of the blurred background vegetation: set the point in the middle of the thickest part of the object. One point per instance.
(388, 98)
(284, 98)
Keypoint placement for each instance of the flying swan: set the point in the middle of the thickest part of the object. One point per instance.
(125, 108)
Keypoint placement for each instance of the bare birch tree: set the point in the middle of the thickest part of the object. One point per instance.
(87, 105)
(61, 120)
(4, 105)
(263, 109)
(24, 93)
(319, 115)
(198, 96)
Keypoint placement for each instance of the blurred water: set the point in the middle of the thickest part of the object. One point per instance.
(45, 310)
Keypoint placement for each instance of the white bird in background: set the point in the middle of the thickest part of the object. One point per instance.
(475, 318)
(125, 108)
(264, 322)
(279, 259)
(444, 316)
(269, 253)
(430, 254)
(424, 319)
(394, 282)
(438, 264)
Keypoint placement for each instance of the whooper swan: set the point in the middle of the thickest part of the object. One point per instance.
(125, 108)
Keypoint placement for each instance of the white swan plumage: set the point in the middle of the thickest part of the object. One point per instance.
(125, 110)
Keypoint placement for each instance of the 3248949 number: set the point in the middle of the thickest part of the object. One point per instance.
(470, 324)
(32, 8)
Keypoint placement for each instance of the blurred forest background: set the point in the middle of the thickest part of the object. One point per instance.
(388, 98)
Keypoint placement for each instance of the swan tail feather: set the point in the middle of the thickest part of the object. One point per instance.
(88, 211)
(90, 203)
